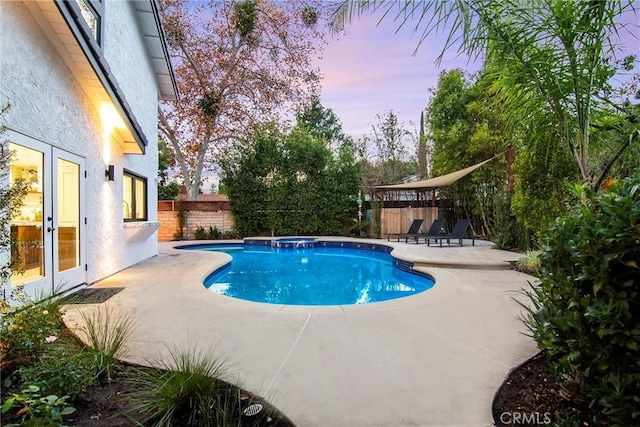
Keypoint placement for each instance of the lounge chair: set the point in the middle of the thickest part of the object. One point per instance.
(434, 231)
(413, 229)
(458, 232)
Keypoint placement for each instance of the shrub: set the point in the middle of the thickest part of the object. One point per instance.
(230, 235)
(184, 391)
(529, 262)
(38, 410)
(359, 228)
(64, 369)
(181, 216)
(506, 230)
(586, 310)
(24, 329)
(214, 233)
(107, 334)
(200, 234)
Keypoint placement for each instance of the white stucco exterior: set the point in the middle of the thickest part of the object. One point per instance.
(49, 104)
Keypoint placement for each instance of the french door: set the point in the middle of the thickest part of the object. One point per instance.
(48, 249)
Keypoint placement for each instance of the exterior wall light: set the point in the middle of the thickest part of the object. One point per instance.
(110, 173)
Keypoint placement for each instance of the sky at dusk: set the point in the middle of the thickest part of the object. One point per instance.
(372, 69)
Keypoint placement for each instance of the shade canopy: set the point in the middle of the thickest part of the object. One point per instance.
(439, 181)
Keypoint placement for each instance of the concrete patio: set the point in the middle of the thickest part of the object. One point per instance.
(432, 359)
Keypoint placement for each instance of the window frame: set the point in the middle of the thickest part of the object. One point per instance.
(133, 205)
(96, 7)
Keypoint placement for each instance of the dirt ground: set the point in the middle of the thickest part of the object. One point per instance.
(532, 396)
(110, 405)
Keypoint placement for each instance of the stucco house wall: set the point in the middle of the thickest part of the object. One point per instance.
(48, 104)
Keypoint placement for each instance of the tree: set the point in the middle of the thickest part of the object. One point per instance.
(559, 51)
(247, 175)
(291, 184)
(167, 190)
(384, 151)
(450, 123)
(468, 126)
(237, 63)
(423, 150)
(323, 122)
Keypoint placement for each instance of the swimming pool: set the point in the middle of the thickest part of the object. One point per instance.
(311, 275)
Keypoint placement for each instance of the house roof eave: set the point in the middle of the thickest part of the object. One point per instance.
(150, 22)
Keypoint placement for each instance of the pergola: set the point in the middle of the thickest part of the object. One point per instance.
(432, 183)
(396, 220)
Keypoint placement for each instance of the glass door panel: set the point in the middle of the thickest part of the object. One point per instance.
(68, 214)
(47, 253)
(27, 223)
(68, 248)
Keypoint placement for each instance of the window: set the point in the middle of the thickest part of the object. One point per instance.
(135, 197)
(91, 12)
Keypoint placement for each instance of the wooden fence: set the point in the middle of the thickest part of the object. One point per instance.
(398, 220)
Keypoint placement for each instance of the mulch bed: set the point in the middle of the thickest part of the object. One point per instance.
(532, 396)
(110, 405)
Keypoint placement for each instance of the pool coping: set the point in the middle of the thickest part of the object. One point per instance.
(353, 365)
(222, 260)
(399, 263)
(436, 269)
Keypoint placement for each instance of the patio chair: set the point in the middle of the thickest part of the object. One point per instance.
(434, 231)
(413, 229)
(458, 232)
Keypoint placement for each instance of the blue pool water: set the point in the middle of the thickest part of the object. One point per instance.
(311, 276)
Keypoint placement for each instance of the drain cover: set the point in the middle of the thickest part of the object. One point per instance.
(252, 409)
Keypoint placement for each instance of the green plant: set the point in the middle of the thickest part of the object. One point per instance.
(25, 328)
(11, 199)
(586, 310)
(169, 191)
(107, 334)
(38, 410)
(200, 234)
(214, 233)
(529, 262)
(359, 228)
(185, 391)
(506, 229)
(230, 235)
(181, 216)
(376, 208)
(291, 183)
(63, 369)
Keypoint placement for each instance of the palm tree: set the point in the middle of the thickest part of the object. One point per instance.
(558, 54)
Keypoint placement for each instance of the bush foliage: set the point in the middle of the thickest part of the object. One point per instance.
(586, 313)
(212, 234)
(291, 184)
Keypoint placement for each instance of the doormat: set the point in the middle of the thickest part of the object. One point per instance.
(91, 295)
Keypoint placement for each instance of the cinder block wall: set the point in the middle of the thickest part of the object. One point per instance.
(222, 220)
(169, 225)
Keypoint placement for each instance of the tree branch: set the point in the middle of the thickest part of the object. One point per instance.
(613, 159)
